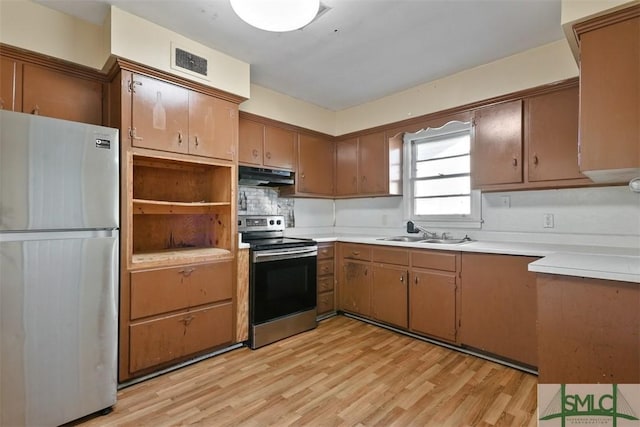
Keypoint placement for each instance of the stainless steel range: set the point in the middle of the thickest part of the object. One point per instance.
(282, 280)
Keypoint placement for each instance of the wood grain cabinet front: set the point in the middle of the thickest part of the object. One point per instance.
(498, 306)
(168, 117)
(433, 293)
(265, 145)
(177, 312)
(325, 280)
(315, 168)
(389, 294)
(366, 165)
(355, 287)
(170, 338)
(609, 91)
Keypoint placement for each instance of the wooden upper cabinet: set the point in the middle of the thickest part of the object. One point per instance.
(347, 167)
(373, 166)
(609, 91)
(369, 165)
(266, 145)
(213, 126)
(496, 150)
(551, 135)
(10, 84)
(316, 157)
(160, 115)
(251, 142)
(61, 95)
(279, 146)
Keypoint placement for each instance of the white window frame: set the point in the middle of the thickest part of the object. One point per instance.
(472, 220)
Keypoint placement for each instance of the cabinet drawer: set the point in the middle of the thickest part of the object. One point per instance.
(170, 289)
(325, 303)
(356, 251)
(158, 341)
(325, 251)
(390, 255)
(325, 267)
(445, 261)
(325, 283)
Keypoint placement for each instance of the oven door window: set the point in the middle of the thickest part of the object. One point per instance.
(283, 287)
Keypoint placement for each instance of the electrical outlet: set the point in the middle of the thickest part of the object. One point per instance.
(548, 220)
(505, 201)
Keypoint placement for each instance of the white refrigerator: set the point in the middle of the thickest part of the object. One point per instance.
(59, 219)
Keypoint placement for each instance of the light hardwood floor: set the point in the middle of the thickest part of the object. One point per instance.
(344, 373)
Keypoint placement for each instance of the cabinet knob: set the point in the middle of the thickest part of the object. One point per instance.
(416, 280)
(187, 271)
(179, 137)
(197, 141)
(254, 153)
(302, 175)
(36, 110)
(402, 278)
(535, 159)
(268, 155)
(1, 104)
(514, 162)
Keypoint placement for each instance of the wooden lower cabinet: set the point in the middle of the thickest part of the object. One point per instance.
(158, 341)
(325, 304)
(433, 303)
(498, 306)
(174, 313)
(389, 294)
(355, 290)
(588, 331)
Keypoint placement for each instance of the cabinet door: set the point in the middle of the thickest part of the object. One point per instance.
(10, 85)
(55, 94)
(160, 115)
(498, 306)
(158, 341)
(433, 303)
(355, 289)
(213, 126)
(551, 131)
(389, 295)
(315, 165)
(279, 147)
(496, 151)
(347, 167)
(250, 142)
(609, 87)
(372, 163)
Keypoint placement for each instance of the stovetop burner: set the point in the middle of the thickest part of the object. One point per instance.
(264, 232)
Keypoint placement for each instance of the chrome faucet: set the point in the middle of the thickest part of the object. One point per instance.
(414, 228)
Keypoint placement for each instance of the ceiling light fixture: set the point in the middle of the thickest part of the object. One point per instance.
(276, 15)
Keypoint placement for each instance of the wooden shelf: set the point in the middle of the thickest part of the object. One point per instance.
(158, 207)
(171, 256)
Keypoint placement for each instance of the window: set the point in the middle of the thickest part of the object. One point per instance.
(437, 180)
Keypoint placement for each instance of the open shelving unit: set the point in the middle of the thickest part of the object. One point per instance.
(180, 211)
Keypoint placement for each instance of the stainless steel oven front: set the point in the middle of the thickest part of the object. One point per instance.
(282, 293)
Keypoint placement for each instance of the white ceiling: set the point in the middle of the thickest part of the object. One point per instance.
(358, 50)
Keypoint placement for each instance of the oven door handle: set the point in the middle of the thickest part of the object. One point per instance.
(276, 255)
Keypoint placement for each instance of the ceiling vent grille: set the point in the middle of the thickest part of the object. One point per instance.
(190, 62)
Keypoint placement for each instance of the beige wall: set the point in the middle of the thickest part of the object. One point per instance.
(150, 44)
(30, 26)
(275, 105)
(545, 64)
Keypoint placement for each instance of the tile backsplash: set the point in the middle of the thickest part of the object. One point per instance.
(265, 201)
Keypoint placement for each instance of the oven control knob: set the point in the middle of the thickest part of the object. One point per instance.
(278, 222)
(270, 222)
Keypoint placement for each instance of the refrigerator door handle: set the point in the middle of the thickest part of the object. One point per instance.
(21, 236)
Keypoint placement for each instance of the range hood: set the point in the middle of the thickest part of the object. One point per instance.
(264, 177)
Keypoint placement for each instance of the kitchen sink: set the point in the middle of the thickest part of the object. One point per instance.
(403, 238)
(446, 241)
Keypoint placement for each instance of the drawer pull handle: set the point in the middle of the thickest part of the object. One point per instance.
(197, 141)
(535, 160)
(187, 271)
(179, 137)
(356, 253)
